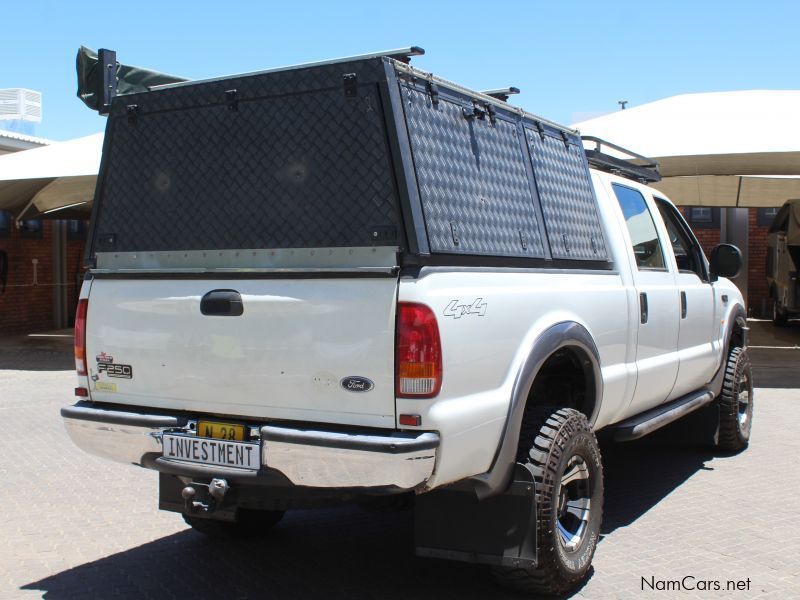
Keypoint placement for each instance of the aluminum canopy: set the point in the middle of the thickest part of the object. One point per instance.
(59, 176)
(715, 149)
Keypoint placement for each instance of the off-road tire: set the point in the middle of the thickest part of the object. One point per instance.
(248, 524)
(549, 439)
(736, 409)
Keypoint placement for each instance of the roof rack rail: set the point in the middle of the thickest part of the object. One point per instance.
(644, 170)
(502, 93)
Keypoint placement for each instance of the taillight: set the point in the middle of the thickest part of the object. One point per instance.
(80, 336)
(419, 352)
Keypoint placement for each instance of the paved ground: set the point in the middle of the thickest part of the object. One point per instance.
(75, 526)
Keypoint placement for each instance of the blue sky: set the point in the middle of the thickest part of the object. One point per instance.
(569, 58)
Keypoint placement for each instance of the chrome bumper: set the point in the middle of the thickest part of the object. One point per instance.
(306, 457)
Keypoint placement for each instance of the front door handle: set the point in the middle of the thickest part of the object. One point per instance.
(684, 308)
(643, 307)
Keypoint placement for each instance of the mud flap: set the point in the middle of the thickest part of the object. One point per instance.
(501, 530)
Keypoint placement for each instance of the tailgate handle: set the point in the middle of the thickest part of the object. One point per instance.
(222, 303)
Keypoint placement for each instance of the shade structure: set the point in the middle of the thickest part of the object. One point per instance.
(730, 190)
(711, 145)
(48, 180)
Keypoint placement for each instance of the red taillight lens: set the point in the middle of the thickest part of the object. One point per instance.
(80, 336)
(419, 352)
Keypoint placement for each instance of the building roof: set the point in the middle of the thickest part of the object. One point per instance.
(11, 141)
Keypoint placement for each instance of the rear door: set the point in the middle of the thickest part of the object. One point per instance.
(659, 302)
(286, 356)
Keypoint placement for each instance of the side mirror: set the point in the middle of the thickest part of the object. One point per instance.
(726, 261)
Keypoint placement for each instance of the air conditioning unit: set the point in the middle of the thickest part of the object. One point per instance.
(20, 104)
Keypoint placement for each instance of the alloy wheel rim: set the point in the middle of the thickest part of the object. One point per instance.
(744, 403)
(574, 504)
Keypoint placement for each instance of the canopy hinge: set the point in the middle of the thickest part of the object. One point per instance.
(232, 100)
(350, 82)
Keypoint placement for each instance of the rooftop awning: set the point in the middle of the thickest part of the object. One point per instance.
(61, 176)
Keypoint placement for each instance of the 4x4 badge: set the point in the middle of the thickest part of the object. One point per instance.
(457, 308)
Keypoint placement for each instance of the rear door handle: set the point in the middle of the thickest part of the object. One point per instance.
(222, 303)
(643, 307)
(684, 307)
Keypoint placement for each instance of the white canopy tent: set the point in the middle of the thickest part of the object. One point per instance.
(54, 178)
(735, 149)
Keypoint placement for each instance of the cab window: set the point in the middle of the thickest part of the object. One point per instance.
(644, 238)
(688, 253)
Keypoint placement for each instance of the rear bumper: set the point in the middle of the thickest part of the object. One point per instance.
(305, 457)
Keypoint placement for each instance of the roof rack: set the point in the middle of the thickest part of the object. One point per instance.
(502, 93)
(644, 170)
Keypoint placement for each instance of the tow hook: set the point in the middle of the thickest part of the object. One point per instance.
(215, 493)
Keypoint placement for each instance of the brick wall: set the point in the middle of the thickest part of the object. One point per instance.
(24, 307)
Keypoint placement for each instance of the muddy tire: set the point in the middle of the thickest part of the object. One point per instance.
(248, 524)
(735, 403)
(562, 451)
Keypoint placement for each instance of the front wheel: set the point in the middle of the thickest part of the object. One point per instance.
(736, 403)
(563, 453)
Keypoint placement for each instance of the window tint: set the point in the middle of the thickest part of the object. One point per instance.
(641, 228)
(688, 253)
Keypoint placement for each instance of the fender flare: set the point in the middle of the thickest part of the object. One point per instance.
(558, 336)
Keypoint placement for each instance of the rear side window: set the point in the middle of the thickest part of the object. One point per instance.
(644, 238)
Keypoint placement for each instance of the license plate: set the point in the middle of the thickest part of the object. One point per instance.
(223, 453)
(220, 431)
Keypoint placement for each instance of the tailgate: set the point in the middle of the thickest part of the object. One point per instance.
(288, 355)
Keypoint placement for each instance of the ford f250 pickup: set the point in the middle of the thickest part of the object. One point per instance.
(354, 279)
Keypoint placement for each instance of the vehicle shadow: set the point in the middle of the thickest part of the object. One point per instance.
(639, 474)
(350, 553)
(342, 553)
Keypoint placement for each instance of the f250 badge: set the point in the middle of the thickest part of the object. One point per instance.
(115, 370)
(357, 384)
(458, 309)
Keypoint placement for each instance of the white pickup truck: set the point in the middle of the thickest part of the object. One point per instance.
(354, 279)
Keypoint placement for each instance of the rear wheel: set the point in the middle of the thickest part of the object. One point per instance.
(736, 403)
(249, 523)
(562, 451)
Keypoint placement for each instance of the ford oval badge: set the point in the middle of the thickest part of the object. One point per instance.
(357, 384)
